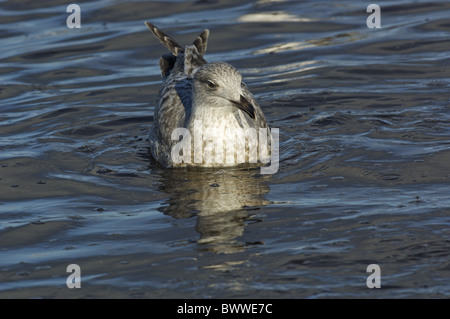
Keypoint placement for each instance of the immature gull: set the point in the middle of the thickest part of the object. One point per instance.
(209, 106)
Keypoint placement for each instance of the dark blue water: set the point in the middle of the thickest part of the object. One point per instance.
(364, 173)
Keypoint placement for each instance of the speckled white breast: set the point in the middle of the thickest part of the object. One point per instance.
(218, 139)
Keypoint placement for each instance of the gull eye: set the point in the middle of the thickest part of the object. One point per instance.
(211, 84)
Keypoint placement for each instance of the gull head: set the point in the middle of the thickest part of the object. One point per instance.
(219, 85)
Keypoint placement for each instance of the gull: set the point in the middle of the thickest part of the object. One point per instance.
(209, 106)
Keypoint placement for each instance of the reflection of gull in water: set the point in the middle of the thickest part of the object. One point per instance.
(222, 200)
(211, 94)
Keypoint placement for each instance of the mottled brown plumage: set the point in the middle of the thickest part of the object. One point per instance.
(211, 94)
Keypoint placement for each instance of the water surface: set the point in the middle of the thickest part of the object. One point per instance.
(364, 173)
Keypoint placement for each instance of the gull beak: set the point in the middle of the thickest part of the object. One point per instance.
(244, 105)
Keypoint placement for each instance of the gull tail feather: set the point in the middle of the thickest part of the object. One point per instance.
(167, 41)
(192, 55)
(201, 42)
